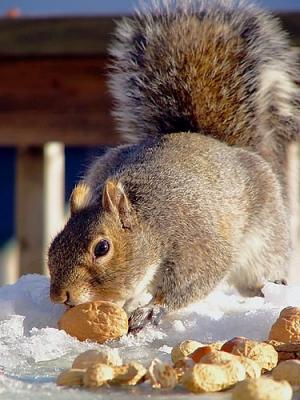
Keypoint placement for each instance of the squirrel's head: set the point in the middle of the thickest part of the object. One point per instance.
(103, 252)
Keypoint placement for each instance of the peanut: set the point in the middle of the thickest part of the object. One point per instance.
(212, 378)
(289, 371)
(162, 375)
(71, 377)
(89, 357)
(129, 374)
(200, 352)
(220, 357)
(184, 349)
(262, 389)
(262, 353)
(97, 375)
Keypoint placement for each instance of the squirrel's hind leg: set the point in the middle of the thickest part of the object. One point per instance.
(260, 259)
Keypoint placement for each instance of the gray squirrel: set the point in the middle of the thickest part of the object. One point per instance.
(205, 93)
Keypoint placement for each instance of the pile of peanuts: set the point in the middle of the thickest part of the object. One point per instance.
(250, 367)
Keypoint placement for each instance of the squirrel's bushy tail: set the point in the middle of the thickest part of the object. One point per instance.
(222, 68)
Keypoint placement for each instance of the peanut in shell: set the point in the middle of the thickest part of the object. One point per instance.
(184, 349)
(262, 353)
(288, 370)
(98, 375)
(162, 375)
(86, 359)
(262, 389)
(212, 377)
(71, 377)
(129, 374)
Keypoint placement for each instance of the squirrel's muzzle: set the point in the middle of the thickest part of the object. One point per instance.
(59, 295)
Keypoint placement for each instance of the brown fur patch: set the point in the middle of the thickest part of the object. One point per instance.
(80, 197)
(225, 227)
(216, 108)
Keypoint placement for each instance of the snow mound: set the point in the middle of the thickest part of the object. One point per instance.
(30, 338)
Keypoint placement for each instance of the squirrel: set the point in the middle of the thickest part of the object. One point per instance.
(205, 95)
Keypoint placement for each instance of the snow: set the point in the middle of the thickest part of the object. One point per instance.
(33, 350)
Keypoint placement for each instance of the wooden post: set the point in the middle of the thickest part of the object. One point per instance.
(54, 180)
(40, 205)
(8, 261)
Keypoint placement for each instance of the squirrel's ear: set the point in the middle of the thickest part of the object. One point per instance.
(80, 197)
(114, 200)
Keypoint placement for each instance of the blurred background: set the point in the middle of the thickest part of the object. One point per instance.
(55, 113)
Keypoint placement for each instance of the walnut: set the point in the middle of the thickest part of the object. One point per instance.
(286, 351)
(98, 321)
(262, 389)
(287, 327)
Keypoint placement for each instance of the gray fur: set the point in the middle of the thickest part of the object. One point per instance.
(202, 194)
(151, 96)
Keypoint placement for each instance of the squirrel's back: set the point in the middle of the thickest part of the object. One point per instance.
(221, 68)
(186, 206)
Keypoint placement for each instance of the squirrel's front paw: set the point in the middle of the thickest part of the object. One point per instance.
(143, 316)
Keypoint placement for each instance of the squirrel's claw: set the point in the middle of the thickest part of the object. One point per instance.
(280, 282)
(143, 316)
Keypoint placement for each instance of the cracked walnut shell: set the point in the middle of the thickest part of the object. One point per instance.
(287, 327)
(286, 351)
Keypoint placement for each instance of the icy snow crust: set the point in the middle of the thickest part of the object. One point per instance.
(33, 351)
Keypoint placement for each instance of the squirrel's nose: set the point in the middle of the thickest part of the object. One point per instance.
(59, 295)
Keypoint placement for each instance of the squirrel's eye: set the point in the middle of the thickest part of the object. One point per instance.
(101, 248)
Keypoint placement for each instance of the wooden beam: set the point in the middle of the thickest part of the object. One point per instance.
(56, 36)
(79, 35)
(64, 100)
(290, 23)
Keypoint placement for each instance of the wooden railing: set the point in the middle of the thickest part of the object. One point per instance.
(53, 93)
